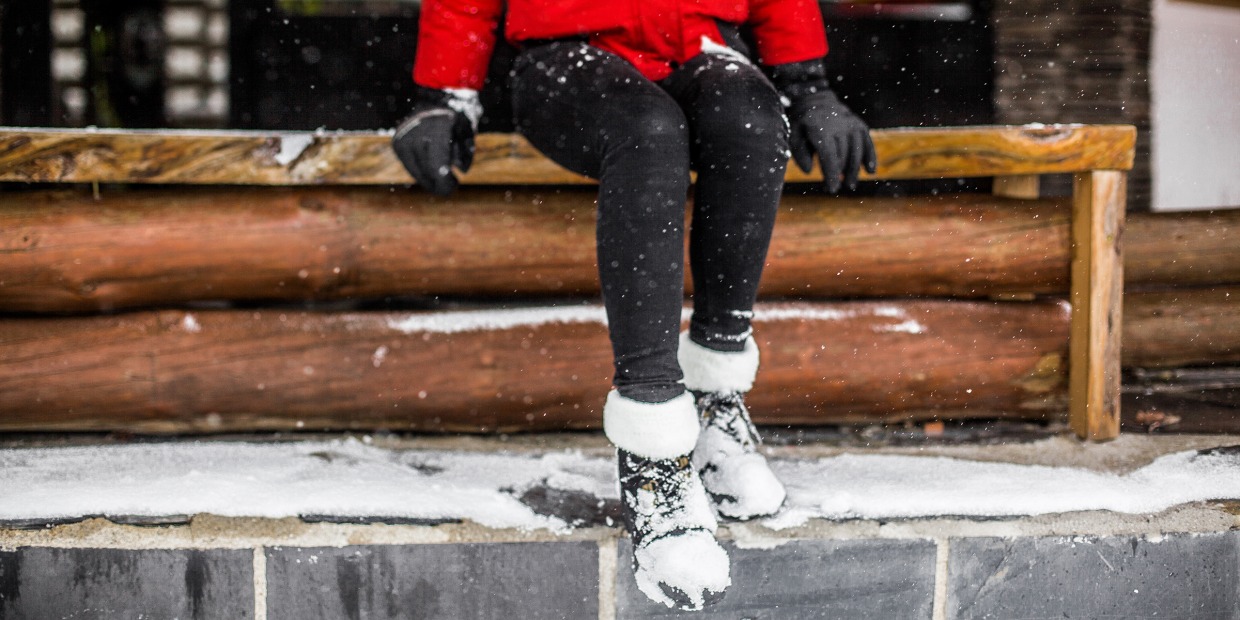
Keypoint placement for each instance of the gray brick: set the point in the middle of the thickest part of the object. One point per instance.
(498, 581)
(808, 579)
(1180, 576)
(39, 583)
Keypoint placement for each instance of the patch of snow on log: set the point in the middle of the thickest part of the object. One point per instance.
(349, 478)
(906, 327)
(495, 320)
(904, 324)
(292, 146)
(190, 324)
(484, 320)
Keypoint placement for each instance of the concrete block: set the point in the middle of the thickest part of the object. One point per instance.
(478, 581)
(1179, 576)
(37, 583)
(844, 579)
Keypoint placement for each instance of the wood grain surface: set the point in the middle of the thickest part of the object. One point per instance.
(172, 371)
(1183, 327)
(64, 251)
(176, 371)
(362, 158)
(1098, 211)
(67, 252)
(215, 371)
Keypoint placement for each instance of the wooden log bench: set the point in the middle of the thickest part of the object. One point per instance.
(524, 227)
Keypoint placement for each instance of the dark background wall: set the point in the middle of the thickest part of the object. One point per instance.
(1076, 61)
(296, 69)
(25, 75)
(350, 69)
(304, 69)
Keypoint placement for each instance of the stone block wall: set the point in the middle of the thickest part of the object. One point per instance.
(940, 578)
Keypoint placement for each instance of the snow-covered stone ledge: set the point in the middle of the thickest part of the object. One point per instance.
(485, 528)
(349, 479)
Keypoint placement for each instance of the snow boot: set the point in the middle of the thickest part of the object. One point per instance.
(736, 476)
(676, 559)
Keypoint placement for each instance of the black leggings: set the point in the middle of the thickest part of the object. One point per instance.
(594, 114)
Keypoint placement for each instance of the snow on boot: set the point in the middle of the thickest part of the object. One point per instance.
(676, 559)
(735, 474)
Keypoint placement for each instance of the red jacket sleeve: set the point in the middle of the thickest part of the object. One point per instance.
(787, 30)
(455, 41)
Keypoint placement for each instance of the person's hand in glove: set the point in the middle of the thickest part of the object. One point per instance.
(437, 135)
(820, 124)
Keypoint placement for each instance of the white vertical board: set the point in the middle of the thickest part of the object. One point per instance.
(1195, 96)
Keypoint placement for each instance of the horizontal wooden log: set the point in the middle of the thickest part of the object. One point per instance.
(64, 251)
(1182, 249)
(68, 252)
(303, 158)
(174, 371)
(1184, 327)
(542, 369)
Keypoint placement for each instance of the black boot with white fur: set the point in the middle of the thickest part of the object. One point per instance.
(676, 559)
(737, 477)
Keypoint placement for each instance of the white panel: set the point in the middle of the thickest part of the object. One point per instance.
(1195, 92)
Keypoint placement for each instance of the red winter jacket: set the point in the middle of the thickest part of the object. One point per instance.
(456, 37)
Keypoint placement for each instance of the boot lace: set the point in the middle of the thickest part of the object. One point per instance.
(727, 412)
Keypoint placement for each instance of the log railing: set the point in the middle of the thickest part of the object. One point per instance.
(352, 158)
(66, 251)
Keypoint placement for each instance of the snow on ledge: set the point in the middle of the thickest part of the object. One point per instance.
(348, 478)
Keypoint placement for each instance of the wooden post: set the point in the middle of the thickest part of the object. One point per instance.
(1024, 186)
(1097, 296)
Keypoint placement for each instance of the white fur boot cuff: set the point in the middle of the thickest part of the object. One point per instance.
(651, 430)
(707, 370)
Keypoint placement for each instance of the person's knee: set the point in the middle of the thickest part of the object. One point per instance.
(652, 128)
(742, 108)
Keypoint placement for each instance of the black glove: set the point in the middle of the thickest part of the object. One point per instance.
(821, 124)
(437, 135)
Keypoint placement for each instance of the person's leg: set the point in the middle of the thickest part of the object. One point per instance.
(593, 113)
(740, 150)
